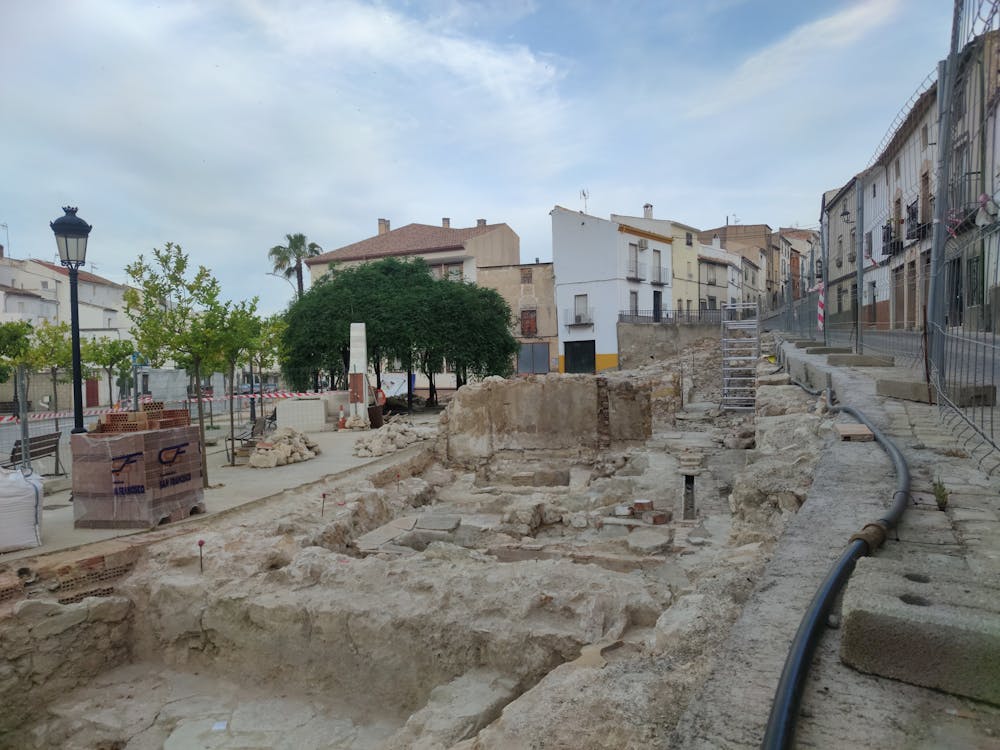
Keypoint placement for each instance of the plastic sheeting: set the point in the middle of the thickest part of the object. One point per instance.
(136, 479)
(20, 510)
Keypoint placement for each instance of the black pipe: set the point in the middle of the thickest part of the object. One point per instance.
(788, 696)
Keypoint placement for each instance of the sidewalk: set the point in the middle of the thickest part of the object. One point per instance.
(230, 487)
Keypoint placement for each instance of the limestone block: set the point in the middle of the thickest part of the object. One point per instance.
(107, 608)
(56, 623)
(438, 522)
(262, 460)
(925, 626)
(650, 541)
(302, 414)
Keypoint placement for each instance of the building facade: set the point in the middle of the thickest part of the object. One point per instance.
(530, 291)
(603, 268)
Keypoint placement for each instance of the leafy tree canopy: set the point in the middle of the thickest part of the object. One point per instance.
(408, 315)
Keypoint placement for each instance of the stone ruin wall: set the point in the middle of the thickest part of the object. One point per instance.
(547, 412)
(641, 343)
(47, 649)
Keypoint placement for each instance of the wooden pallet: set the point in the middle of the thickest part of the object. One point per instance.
(856, 432)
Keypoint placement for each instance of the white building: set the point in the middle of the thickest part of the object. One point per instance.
(36, 290)
(604, 267)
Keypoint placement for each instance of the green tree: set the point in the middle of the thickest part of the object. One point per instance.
(15, 342)
(408, 315)
(241, 327)
(287, 259)
(176, 314)
(265, 349)
(109, 355)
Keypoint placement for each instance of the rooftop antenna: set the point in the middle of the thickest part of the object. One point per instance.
(584, 194)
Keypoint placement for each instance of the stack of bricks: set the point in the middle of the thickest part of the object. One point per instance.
(155, 418)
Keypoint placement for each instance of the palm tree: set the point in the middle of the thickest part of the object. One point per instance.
(287, 259)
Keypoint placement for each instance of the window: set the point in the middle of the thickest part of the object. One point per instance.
(689, 239)
(852, 251)
(581, 313)
(896, 169)
(633, 261)
(529, 322)
(657, 275)
(525, 275)
(712, 303)
(873, 190)
(633, 302)
(710, 270)
(868, 244)
(840, 250)
(925, 198)
(690, 275)
(912, 221)
(45, 284)
(454, 271)
(923, 136)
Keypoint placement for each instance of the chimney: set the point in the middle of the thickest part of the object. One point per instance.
(647, 211)
(716, 242)
(383, 226)
(446, 222)
(480, 222)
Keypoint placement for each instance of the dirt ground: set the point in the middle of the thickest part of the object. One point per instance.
(562, 598)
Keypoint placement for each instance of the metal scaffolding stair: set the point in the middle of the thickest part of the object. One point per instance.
(740, 354)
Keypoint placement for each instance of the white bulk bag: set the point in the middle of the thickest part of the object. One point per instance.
(20, 510)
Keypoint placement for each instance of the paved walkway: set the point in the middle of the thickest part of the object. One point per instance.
(230, 487)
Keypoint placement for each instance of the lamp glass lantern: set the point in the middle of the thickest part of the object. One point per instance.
(71, 237)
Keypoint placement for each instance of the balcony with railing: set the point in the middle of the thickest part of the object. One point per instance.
(659, 276)
(674, 317)
(636, 271)
(582, 317)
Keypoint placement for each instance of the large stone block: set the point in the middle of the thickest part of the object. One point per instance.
(858, 360)
(923, 625)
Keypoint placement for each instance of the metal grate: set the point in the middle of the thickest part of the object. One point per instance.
(740, 353)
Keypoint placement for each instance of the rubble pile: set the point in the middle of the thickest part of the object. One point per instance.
(390, 438)
(284, 446)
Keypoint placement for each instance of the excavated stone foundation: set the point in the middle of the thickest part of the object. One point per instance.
(510, 587)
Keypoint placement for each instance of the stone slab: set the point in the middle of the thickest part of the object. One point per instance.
(804, 344)
(650, 541)
(438, 522)
(917, 390)
(925, 626)
(377, 537)
(829, 350)
(858, 360)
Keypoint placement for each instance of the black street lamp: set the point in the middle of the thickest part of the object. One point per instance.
(71, 236)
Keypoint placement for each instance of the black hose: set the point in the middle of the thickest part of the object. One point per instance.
(788, 696)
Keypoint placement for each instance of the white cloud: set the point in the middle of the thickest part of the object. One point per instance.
(796, 59)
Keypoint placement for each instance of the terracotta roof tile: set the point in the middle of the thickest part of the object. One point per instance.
(91, 278)
(412, 239)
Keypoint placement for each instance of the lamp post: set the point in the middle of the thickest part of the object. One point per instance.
(71, 236)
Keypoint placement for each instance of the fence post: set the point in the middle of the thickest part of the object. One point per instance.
(947, 74)
(22, 413)
(859, 255)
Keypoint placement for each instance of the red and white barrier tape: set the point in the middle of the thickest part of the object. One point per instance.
(42, 415)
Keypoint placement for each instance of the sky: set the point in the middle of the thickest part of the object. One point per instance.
(223, 125)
